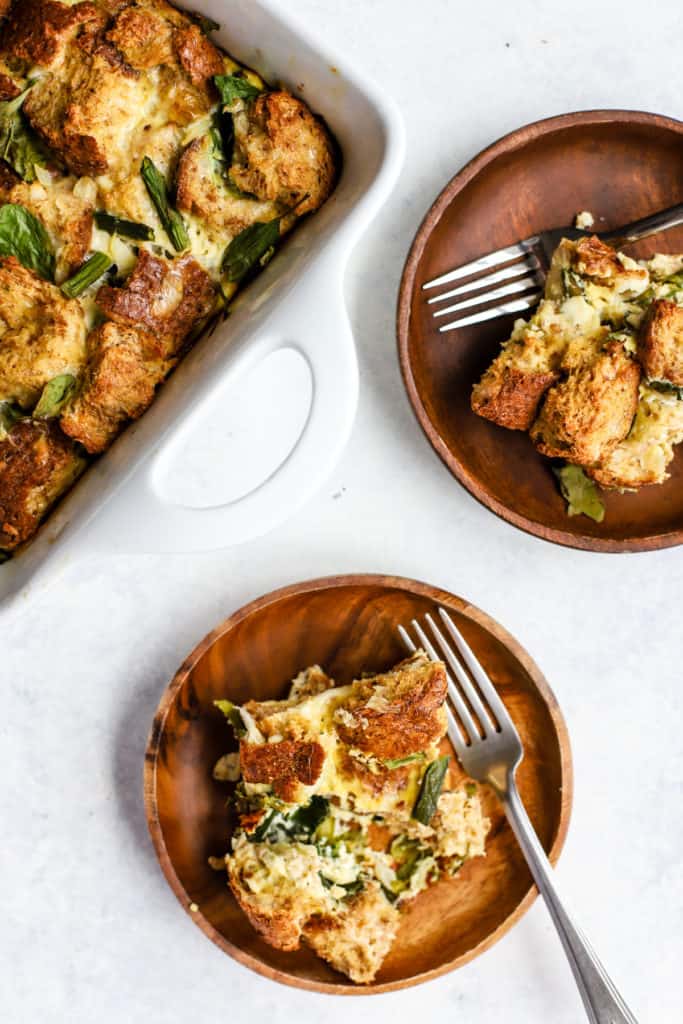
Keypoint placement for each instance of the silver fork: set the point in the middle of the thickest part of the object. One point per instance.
(526, 275)
(494, 757)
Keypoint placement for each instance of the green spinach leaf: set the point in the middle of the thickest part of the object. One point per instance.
(9, 415)
(22, 235)
(235, 87)
(19, 147)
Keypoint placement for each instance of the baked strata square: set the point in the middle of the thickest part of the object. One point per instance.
(145, 176)
(345, 810)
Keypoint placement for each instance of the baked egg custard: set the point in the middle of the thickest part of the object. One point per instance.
(144, 177)
(344, 810)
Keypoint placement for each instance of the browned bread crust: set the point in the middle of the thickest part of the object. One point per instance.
(142, 301)
(38, 31)
(586, 415)
(280, 928)
(123, 372)
(37, 464)
(510, 397)
(198, 56)
(407, 717)
(660, 342)
(283, 764)
(283, 153)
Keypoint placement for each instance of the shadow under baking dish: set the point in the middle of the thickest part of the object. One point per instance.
(347, 625)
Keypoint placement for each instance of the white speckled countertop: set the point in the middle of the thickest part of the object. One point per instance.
(90, 930)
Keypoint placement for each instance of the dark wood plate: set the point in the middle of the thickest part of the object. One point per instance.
(346, 624)
(620, 165)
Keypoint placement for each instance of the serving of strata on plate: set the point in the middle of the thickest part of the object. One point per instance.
(343, 810)
(144, 176)
(596, 374)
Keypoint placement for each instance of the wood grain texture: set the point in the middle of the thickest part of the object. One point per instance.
(620, 165)
(347, 625)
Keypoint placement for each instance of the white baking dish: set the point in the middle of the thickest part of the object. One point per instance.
(296, 303)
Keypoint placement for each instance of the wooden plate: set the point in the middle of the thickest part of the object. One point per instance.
(620, 165)
(346, 624)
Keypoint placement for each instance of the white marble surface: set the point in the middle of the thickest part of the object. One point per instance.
(90, 930)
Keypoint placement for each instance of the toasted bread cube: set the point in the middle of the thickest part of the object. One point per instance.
(42, 334)
(356, 942)
(396, 713)
(166, 298)
(123, 372)
(595, 259)
(660, 342)
(68, 218)
(283, 153)
(38, 463)
(644, 455)
(202, 192)
(38, 32)
(588, 413)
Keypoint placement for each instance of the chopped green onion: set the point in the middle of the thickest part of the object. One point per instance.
(398, 762)
(430, 790)
(173, 223)
(91, 271)
(233, 715)
(125, 228)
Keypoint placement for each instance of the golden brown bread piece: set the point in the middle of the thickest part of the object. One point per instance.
(283, 153)
(84, 108)
(643, 457)
(280, 928)
(395, 713)
(282, 764)
(123, 371)
(37, 465)
(39, 31)
(42, 334)
(589, 412)
(660, 342)
(595, 259)
(202, 192)
(198, 56)
(356, 941)
(165, 297)
(510, 396)
(144, 38)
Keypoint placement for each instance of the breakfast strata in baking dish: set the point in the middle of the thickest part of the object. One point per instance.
(144, 176)
(344, 811)
(596, 375)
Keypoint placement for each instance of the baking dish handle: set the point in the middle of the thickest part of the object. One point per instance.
(139, 519)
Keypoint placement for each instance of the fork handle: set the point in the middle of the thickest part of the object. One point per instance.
(669, 218)
(601, 1000)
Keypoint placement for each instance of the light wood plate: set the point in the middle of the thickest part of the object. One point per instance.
(348, 625)
(620, 165)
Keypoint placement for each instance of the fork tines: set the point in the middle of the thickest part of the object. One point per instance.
(476, 712)
(523, 275)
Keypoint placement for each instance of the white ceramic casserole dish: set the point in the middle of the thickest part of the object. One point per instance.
(296, 303)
